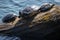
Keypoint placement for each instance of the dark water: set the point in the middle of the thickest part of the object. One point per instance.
(13, 6)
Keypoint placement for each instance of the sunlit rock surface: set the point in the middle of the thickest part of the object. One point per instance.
(42, 26)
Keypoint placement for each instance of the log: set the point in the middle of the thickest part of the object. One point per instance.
(42, 26)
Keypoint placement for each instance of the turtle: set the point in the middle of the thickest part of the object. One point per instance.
(9, 18)
(46, 7)
(28, 10)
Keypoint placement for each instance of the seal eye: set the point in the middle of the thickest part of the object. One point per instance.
(46, 7)
(9, 18)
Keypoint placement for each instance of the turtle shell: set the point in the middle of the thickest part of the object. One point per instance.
(9, 18)
(46, 7)
(25, 12)
(28, 10)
